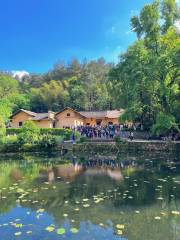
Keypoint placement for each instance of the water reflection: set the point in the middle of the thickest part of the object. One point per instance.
(102, 197)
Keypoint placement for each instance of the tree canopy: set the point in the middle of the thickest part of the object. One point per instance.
(147, 78)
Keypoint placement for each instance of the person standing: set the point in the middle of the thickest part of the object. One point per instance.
(73, 137)
(131, 136)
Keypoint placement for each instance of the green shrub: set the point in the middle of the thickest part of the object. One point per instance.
(164, 124)
(117, 139)
(52, 131)
(83, 139)
(55, 131)
(30, 133)
(2, 129)
(47, 141)
(13, 131)
(10, 139)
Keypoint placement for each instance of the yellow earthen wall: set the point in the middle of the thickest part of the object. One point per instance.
(104, 122)
(68, 121)
(20, 117)
(44, 123)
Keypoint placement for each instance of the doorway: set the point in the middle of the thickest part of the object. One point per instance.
(98, 122)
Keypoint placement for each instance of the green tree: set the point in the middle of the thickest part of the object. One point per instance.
(169, 14)
(147, 78)
(5, 109)
(50, 96)
(8, 86)
(164, 124)
(2, 129)
(30, 133)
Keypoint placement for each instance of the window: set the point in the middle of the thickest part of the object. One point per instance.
(68, 114)
(20, 124)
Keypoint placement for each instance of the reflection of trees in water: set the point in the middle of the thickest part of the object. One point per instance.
(93, 178)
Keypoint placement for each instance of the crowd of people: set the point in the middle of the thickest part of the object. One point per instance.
(98, 131)
(104, 132)
(121, 131)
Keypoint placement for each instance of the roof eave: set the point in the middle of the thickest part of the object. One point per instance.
(22, 110)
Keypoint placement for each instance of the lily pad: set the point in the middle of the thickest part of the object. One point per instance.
(176, 212)
(85, 199)
(76, 209)
(120, 226)
(119, 232)
(50, 229)
(74, 230)
(18, 233)
(86, 205)
(18, 225)
(61, 231)
(40, 210)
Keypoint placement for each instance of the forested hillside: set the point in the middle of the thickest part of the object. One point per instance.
(145, 81)
(82, 86)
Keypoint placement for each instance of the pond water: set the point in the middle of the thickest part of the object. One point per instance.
(130, 196)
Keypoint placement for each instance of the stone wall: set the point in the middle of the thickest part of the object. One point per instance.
(112, 147)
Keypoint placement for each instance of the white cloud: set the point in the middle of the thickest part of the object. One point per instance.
(19, 74)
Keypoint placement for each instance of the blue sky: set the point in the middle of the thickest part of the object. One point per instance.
(36, 34)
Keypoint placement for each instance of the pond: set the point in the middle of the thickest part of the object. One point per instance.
(129, 196)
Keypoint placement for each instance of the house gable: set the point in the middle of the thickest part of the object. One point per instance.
(68, 118)
(19, 118)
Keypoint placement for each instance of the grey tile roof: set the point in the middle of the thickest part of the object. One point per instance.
(40, 116)
(28, 112)
(25, 111)
(85, 114)
(102, 114)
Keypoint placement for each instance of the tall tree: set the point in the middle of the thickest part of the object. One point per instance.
(146, 80)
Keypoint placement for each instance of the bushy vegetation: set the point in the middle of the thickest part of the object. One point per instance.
(32, 138)
(64, 133)
(165, 124)
(30, 133)
(2, 129)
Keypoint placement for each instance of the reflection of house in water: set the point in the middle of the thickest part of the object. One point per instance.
(66, 172)
(114, 173)
(70, 172)
(16, 175)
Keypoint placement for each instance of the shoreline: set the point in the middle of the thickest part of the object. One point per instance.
(97, 146)
(127, 146)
